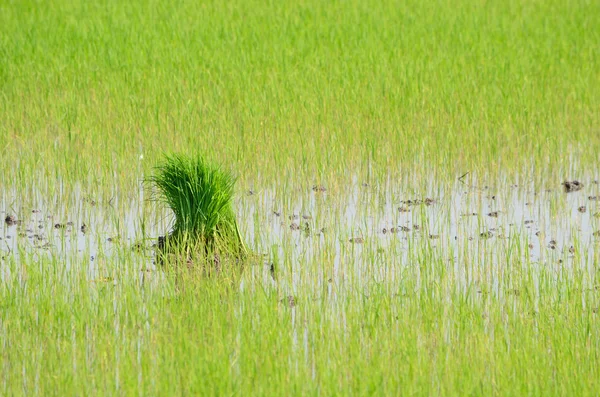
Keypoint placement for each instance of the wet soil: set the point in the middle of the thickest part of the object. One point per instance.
(572, 186)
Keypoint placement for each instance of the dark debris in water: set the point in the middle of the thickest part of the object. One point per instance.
(487, 234)
(289, 300)
(357, 240)
(11, 220)
(493, 214)
(572, 186)
(319, 188)
(427, 201)
(582, 209)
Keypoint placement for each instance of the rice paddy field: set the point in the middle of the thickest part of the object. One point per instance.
(418, 183)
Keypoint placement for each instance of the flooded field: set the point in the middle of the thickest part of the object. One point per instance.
(379, 230)
(416, 203)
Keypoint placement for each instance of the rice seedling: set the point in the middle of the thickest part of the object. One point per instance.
(200, 195)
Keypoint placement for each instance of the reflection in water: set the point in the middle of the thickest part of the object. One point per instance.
(327, 241)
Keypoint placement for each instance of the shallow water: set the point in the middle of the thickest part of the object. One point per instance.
(317, 238)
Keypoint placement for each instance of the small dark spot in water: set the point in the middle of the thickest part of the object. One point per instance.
(393, 230)
(469, 214)
(552, 244)
(493, 214)
(330, 280)
(572, 186)
(289, 300)
(138, 247)
(493, 197)
(323, 229)
(365, 184)
(10, 220)
(272, 271)
(59, 226)
(69, 223)
(530, 246)
(593, 198)
(582, 209)
(276, 213)
(427, 201)
(294, 226)
(306, 229)
(416, 227)
(538, 233)
(403, 209)
(572, 249)
(384, 231)
(528, 222)
(407, 229)
(319, 188)
(560, 260)
(357, 240)
(35, 211)
(434, 236)
(306, 217)
(83, 228)
(487, 234)
(292, 217)
(250, 192)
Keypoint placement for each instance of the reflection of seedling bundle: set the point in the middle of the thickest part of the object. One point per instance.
(205, 229)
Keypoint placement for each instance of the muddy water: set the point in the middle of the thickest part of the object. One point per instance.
(363, 232)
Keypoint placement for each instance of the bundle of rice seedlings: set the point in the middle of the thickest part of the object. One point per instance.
(205, 231)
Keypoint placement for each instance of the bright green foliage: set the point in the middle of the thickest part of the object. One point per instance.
(377, 100)
(200, 195)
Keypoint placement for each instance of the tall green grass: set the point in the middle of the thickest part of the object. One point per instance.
(309, 90)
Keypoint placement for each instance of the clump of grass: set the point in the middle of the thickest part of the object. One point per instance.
(200, 194)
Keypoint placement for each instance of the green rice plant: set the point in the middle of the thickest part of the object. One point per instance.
(200, 195)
